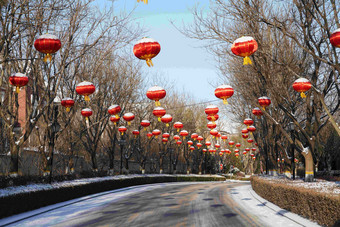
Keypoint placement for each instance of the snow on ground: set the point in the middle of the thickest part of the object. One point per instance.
(40, 187)
(330, 187)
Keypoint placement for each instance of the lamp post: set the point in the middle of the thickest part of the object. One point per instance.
(17, 132)
(55, 128)
(291, 129)
(121, 143)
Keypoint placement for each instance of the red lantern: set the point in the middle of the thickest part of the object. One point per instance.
(114, 110)
(212, 150)
(257, 112)
(227, 151)
(199, 138)
(335, 38)
(128, 117)
(213, 132)
(244, 47)
(238, 145)
(211, 125)
(184, 133)
(166, 135)
(156, 132)
(178, 125)
(218, 135)
(149, 135)
(199, 145)
(122, 129)
(224, 92)
(256, 144)
(252, 155)
(114, 119)
(250, 140)
(248, 122)
(194, 136)
(176, 137)
(264, 102)
(254, 158)
(302, 85)
(231, 143)
(18, 80)
(244, 131)
(213, 117)
(156, 93)
(208, 143)
(190, 143)
(244, 152)
(236, 155)
(159, 112)
(145, 124)
(247, 149)
(245, 136)
(221, 153)
(251, 129)
(296, 160)
(217, 145)
(68, 103)
(211, 110)
(135, 133)
(179, 142)
(85, 88)
(165, 140)
(253, 149)
(47, 44)
(192, 148)
(236, 150)
(224, 137)
(166, 119)
(204, 150)
(87, 112)
(146, 49)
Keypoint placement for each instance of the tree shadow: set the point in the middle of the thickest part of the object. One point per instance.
(229, 215)
(216, 205)
(246, 199)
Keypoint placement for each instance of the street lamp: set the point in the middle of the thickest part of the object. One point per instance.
(121, 143)
(291, 127)
(55, 128)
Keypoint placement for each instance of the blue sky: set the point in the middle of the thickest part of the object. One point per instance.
(181, 61)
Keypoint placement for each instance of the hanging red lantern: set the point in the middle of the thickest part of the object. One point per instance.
(236, 151)
(224, 137)
(244, 152)
(248, 122)
(252, 155)
(217, 145)
(122, 129)
(128, 117)
(47, 44)
(192, 148)
(165, 140)
(244, 47)
(212, 151)
(156, 132)
(221, 153)
(85, 88)
(199, 145)
(302, 85)
(335, 38)
(184, 133)
(68, 103)
(87, 112)
(264, 102)
(244, 131)
(228, 151)
(199, 138)
(211, 125)
(208, 143)
(166, 135)
(194, 136)
(211, 110)
(218, 135)
(114, 110)
(213, 132)
(114, 119)
(254, 158)
(256, 144)
(204, 150)
(18, 80)
(245, 136)
(231, 143)
(176, 137)
(236, 155)
(224, 92)
(167, 118)
(159, 112)
(149, 135)
(135, 133)
(247, 149)
(250, 140)
(237, 145)
(251, 129)
(146, 49)
(178, 125)
(190, 143)
(156, 93)
(253, 149)
(178, 142)
(257, 112)
(145, 124)
(296, 160)
(213, 118)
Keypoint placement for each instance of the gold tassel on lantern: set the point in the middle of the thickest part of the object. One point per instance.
(48, 58)
(167, 125)
(17, 89)
(68, 109)
(246, 61)
(159, 119)
(87, 98)
(149, 62)
(225, 101)
(303, 95)
(129, 123)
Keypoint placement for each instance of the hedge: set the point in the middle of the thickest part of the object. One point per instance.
(320, 207)
(18, 203)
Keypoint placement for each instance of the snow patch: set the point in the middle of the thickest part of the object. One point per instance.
(84, 83)
(244, 39)
(156, 88)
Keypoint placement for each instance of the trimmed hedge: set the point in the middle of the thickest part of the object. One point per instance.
(22, 202)
(320, 207)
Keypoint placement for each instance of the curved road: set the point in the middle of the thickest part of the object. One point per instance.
(166, 204)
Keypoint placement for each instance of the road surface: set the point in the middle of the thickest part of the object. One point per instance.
(167, 204)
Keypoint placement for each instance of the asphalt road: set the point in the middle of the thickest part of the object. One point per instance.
(205, 204)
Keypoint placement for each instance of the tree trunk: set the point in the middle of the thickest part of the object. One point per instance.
(94, 161)
(309, 168)
(14, 165)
